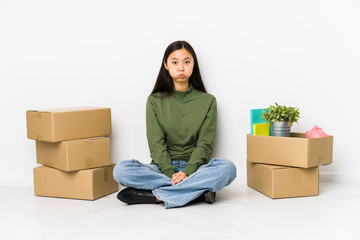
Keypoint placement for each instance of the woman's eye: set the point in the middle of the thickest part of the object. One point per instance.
(174, 63)
(187, 62)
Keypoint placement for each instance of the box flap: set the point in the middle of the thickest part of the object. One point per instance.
(297, 135)
(85, 139)
(69, 109)
(275, 167)
(284, 151)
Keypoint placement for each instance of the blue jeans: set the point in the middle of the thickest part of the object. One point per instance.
(213, 176)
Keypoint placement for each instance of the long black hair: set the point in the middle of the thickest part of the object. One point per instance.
(164, 83)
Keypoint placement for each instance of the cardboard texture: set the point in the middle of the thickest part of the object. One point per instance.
(74, 154)
(57, 125)
(283, 182)
(87, 184)
(295, 151)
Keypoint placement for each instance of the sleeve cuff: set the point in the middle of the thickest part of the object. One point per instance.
(190, 169)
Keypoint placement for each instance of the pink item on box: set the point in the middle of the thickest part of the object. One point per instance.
(315, 132)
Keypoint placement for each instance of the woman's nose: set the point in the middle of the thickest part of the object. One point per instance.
(181, 67)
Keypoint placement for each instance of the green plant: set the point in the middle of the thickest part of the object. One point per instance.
(280, 113)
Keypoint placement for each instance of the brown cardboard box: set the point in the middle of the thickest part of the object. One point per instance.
(88, 184)
(57, 125)
(74, 154)
(295, 151)
(283, 182)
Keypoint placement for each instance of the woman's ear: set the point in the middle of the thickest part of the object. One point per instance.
(165, 65)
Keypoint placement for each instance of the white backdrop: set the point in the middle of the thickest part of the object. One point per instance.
(251, 53)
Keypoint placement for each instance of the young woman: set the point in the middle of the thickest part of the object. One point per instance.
(181, 125)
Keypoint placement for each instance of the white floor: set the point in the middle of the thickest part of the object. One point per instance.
(238, 213)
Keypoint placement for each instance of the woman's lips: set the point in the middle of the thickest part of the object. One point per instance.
(181, 75)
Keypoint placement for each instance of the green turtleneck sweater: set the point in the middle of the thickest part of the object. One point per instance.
(181, 127)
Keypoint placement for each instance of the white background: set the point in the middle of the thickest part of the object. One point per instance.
(251, 54)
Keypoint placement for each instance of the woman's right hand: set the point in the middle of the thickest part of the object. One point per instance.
(178, 177)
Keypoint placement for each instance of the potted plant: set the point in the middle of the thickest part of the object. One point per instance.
(281, 119)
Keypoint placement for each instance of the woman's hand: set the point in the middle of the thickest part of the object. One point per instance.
(178, 177)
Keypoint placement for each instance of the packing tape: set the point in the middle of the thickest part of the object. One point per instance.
(106, 174)
(89, 162)
(39, 137)
(38, 115)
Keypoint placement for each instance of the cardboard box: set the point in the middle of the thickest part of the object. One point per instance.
(88, 184)
(74, 154)
(295, 151)
(283, 182)
(57, 125)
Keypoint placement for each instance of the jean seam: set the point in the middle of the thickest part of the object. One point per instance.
(192, 175)
(120, 182)
(160, 198)
(144, 165)
(117, 179)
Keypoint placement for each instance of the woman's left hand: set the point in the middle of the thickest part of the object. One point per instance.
(178, 177)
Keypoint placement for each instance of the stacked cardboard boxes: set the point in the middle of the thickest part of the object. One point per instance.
(72, 146)
(282, 167)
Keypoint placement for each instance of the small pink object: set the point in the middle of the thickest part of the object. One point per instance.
(315, 132)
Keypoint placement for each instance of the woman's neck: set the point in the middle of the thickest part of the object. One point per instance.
(181, 86)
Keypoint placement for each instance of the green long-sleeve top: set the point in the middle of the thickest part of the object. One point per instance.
(181, 127)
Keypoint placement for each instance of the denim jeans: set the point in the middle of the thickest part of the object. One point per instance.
(213, 176)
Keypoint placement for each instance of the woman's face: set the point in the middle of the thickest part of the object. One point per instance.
(180, 64)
